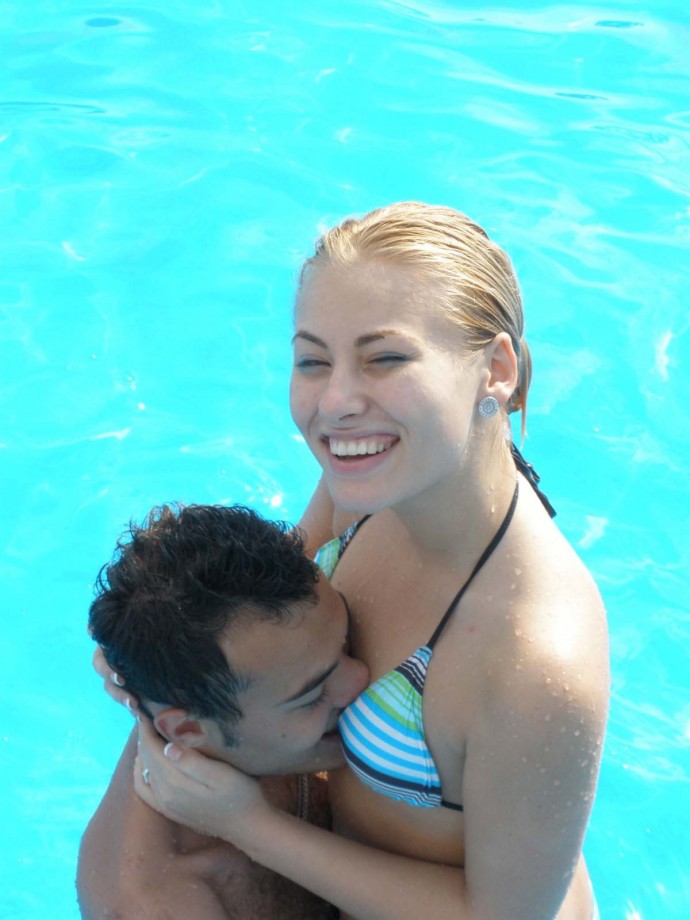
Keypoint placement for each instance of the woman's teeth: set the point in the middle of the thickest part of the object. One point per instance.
(356, 448)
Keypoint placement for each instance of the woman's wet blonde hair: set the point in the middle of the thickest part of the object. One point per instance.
(444, 246)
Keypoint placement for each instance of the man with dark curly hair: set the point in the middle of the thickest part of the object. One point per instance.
(225, 634)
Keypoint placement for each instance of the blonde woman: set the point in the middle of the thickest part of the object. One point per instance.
(473, 757)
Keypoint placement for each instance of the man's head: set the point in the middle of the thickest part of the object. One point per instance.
(224, 630)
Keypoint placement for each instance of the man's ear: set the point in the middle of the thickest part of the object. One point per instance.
(503, 368)
(179, 725)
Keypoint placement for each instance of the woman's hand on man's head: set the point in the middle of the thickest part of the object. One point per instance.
(113, 682)
(208, 795)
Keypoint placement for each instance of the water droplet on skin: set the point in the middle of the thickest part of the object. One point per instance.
(547, 717)
(518, 632)
(518, 571)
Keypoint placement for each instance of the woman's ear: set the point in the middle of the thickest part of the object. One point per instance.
(503, 368)
(178, 725)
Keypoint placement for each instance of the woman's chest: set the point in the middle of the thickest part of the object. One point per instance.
(397, 604)
(394, 599)
(398, 600)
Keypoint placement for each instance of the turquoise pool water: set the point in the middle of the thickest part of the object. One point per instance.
(163, 168)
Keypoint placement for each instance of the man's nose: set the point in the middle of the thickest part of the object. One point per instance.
(353, 678)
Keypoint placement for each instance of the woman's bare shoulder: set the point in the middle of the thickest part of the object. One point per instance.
(551, 638)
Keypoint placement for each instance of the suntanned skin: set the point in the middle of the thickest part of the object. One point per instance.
(135, 864)
(403, 835)
(517, 693)
(462, 697)
(515, 704)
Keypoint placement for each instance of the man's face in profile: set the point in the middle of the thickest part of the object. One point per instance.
(299, 678)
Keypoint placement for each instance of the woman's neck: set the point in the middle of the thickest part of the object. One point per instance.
(460, 513)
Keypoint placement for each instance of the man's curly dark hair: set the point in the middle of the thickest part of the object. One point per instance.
(177, 583)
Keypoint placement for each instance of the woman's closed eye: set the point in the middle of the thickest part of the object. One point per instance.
(310, 363)
(389, 358)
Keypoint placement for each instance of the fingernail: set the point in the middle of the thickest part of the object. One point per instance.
(172, 751)
(116, 679)
(128, 704)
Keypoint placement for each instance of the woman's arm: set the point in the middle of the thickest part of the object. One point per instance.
(317, 519)
(321, 520)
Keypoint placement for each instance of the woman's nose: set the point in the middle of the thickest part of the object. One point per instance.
(341, 397)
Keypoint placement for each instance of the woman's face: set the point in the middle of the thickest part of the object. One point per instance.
(381, 388)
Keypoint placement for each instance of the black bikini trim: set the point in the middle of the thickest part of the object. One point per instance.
(532, 477)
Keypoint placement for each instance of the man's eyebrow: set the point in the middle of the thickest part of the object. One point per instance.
(359, 342)
(311, 684)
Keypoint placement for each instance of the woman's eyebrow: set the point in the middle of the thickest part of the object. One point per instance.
(360, 341)
(315, 340)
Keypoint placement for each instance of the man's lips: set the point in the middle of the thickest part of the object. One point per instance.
(332, 734)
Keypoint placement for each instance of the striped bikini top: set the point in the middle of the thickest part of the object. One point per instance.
(382, 731)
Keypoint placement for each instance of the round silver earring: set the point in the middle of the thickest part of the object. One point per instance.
(488, 407)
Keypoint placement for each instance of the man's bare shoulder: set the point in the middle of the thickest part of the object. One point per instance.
(134, 864)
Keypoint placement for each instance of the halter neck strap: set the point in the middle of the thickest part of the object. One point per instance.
(495, 540)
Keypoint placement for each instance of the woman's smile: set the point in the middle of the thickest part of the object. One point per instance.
(377, 389)
(358, 447)
(347, 456)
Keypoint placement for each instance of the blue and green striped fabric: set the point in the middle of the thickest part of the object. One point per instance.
(383, 737)
(382, 731)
